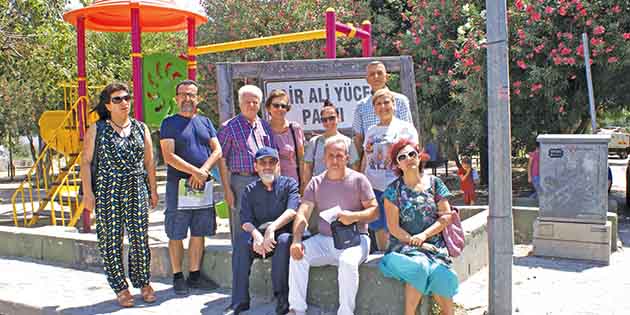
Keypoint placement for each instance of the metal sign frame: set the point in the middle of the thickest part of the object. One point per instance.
(313, 69)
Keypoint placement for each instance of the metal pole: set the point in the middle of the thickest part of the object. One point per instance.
(331, 34)
(81, 74)
(367, 42)
(136, 55)
(192, 59)
(500, 235)
(589, 82)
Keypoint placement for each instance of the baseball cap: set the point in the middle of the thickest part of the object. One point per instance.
(267, 152)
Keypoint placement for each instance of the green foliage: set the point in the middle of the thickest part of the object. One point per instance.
(232, 20)
(547, 72)
(446, 39)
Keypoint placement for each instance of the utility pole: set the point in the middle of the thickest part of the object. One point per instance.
(589, 82)
(500, 235)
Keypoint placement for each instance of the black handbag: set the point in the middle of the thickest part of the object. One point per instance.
(345, 236)
(93, 166)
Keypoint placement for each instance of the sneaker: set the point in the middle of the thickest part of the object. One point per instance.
(282, 306)
(202, 283)
(235, 310)
(180, 286)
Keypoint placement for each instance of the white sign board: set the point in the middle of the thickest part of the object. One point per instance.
(307, 98)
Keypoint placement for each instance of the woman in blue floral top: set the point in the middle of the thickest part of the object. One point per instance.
(417, 211)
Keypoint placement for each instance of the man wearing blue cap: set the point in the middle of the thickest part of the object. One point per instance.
(267, 210)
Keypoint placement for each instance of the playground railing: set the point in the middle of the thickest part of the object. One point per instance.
(51, 186)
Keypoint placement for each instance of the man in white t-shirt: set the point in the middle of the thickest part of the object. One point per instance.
(349, 190)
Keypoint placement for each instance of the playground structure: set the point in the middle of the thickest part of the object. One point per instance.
(51, 187)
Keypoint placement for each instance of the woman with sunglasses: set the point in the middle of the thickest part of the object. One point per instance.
(288, 135)
(118, 150)
(314, 155)
(417, 211)
(376, 163)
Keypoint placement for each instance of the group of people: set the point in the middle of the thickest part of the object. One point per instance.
(279, 188)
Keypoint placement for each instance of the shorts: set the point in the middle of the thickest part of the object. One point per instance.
(381, 222)
(201, 222)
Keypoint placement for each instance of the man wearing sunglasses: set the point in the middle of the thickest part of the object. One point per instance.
(190, 148)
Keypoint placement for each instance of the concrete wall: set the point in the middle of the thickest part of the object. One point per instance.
(377, 294)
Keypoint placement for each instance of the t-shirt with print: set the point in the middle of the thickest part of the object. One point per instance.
(314, 152)
(347, 193)
(381, 138)
(287, 149)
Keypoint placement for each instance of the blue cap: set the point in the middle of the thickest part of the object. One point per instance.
(267, 152)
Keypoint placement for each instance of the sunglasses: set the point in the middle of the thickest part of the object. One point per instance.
(120, 99)
(410, 155)
(329, 118)
(281, 105)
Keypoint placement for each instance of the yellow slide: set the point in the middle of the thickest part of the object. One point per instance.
(63, 138)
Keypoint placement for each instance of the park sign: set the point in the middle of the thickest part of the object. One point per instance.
(307, 97)
(309, 82)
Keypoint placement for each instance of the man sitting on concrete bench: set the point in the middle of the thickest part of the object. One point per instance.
(267, 211)
(349, 190)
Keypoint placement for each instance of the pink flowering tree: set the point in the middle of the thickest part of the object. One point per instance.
(547, 72)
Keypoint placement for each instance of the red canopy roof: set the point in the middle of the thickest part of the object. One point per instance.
(155, 15)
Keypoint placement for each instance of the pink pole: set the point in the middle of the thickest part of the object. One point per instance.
(82, 107)
(192, 60)
(81, 73)
(367, 42)
(136, 55)
(331, 34)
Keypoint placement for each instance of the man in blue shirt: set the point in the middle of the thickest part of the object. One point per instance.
(190, 148)
(267, 210)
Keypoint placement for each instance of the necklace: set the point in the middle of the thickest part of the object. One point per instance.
(119, 126)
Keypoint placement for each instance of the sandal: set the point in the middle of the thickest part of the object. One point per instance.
(148, 294)
(125, 299)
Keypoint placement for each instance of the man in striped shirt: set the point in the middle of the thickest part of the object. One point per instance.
(240, 137)
(365, 116)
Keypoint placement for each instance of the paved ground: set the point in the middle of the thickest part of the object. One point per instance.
(544, 286)
(540, 285)
(31, 287)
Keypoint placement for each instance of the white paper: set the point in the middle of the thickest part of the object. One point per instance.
(330, 215)
(191, 199)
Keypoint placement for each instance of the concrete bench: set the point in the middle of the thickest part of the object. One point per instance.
(377, 294)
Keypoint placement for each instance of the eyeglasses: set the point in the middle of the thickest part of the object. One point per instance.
(329, 118)
(189, 95)
(281, 105)
(410, 155)
(120, 99)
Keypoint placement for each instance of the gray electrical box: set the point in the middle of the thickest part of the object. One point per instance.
(574, 178)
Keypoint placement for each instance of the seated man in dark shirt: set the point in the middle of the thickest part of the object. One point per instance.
(267, 210)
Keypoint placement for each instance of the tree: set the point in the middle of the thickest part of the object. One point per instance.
(243, 19)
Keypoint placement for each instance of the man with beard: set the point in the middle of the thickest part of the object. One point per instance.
(267, 211)
(190, 148)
